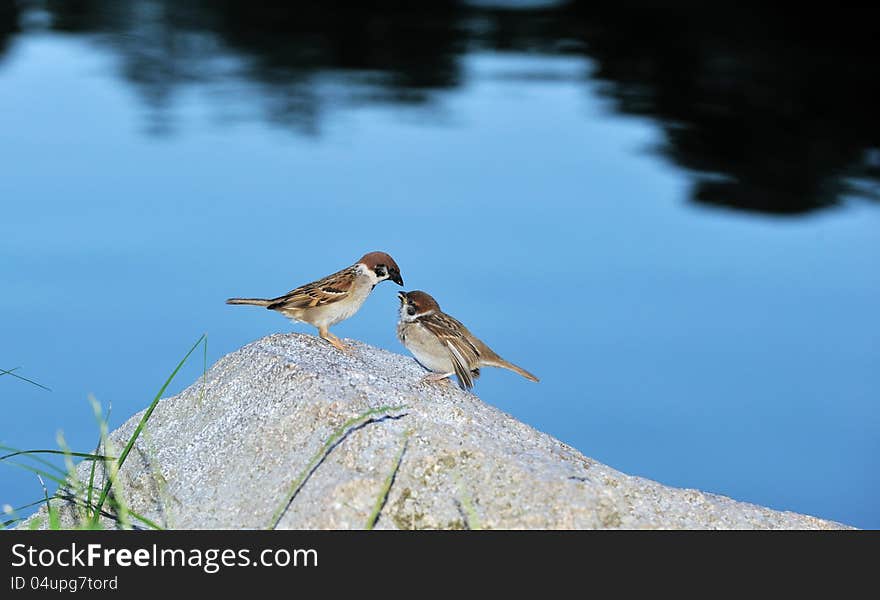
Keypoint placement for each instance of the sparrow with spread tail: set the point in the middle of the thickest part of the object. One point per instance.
(328, 301)
(442, 344)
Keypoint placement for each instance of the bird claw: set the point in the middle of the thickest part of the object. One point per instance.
(441, 378)
(336, 342)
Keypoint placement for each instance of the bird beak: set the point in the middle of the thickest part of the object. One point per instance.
(396, 278)
(401, 296)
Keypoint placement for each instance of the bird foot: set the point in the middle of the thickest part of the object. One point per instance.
(441, 378)
(335, 342)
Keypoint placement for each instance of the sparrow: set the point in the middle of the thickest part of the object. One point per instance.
(442, 344)
(334, 298)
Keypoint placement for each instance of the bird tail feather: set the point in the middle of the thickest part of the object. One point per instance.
(253, 301)
(500, 362)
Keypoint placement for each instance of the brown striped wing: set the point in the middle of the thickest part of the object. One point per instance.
(454, 335)
(328, 290)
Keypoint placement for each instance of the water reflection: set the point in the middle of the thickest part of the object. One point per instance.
(767, 114)
(783, 110)
(9, 15)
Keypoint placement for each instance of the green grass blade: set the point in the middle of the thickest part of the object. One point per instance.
(25, 507)
(12, 513)
(47, 499)
(84, 455)
(143, 422)
(74, 483)
(386, 487)
(36, 459)
(146, 521)
(54, 514)
(91, 488)
(102, 427)
(31, 505)
(337, 435)
(17, 376)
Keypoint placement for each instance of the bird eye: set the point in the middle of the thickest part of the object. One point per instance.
(411, 310)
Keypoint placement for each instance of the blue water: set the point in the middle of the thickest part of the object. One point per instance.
(726, 350)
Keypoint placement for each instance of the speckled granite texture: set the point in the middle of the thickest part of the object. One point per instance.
(224, 454)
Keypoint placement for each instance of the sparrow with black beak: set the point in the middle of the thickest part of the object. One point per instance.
(328, 301)
(444, 345)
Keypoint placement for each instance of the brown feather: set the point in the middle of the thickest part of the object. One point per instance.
(372, 259)
(253, 301)
(452, 333)
(423, 302)
(490, 357)
(467, 351)
(332, 288)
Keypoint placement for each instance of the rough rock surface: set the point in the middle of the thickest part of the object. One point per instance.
(225, 452)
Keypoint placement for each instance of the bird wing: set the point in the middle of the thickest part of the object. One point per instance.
(328, 290)
(455, 336)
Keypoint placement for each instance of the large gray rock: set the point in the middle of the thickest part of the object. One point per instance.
(225, 453)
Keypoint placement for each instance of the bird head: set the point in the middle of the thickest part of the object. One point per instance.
(382, 266)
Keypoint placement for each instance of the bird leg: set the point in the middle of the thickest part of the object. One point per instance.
(437, 378)
(334, 341)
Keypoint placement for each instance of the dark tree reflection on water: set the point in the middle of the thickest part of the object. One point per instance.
(780, 107)
(9, 15)
(769, 111)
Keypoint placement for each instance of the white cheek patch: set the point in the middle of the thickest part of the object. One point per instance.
(368, 273)
(405, 316)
